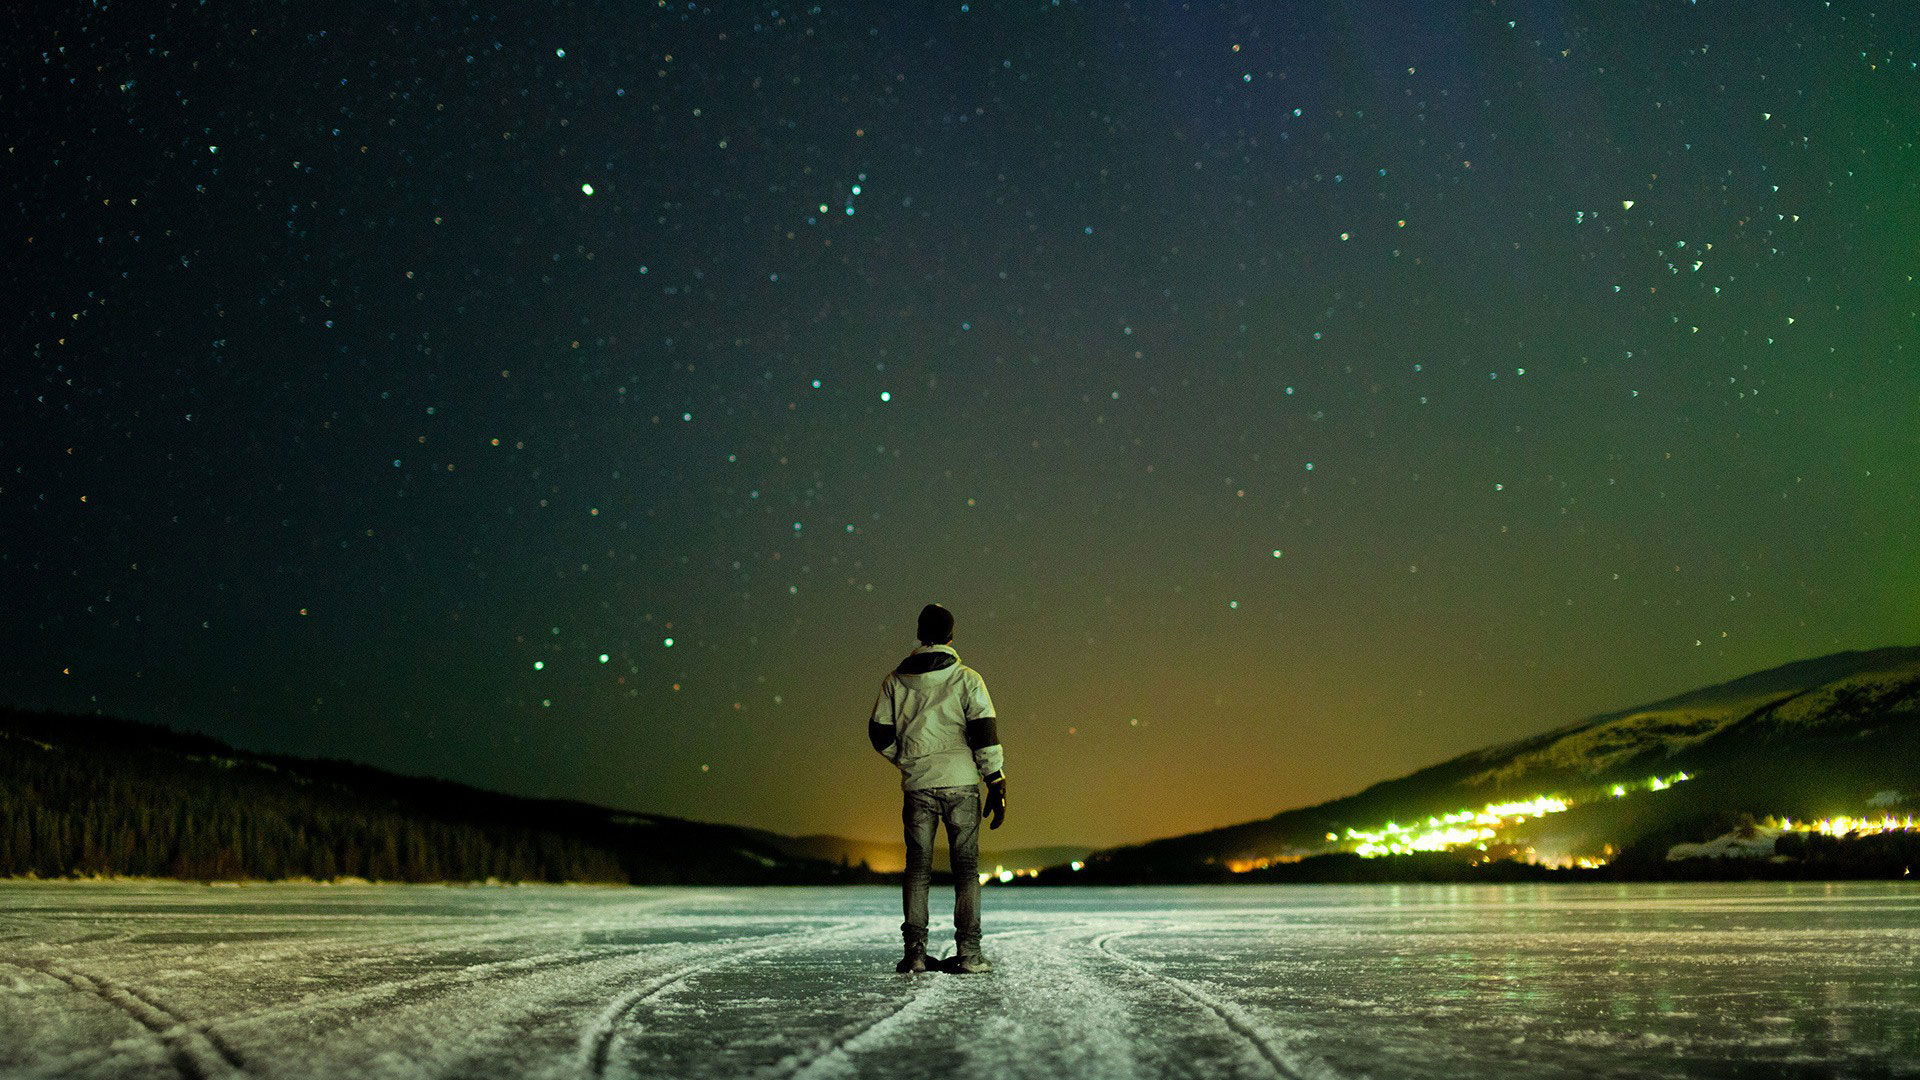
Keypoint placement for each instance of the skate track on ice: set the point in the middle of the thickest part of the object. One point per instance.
(165, 981)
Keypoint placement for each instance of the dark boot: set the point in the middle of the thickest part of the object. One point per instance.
(966, 963)
(914, 962)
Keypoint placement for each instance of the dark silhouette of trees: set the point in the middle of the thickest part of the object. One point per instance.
(90, 796)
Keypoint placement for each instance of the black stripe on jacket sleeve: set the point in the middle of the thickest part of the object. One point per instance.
(982, 732)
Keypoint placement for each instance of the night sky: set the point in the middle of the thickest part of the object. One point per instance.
(582, 399)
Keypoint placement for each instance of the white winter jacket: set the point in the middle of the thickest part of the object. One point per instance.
(944, 733)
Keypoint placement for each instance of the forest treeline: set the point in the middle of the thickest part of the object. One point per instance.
(92, 796)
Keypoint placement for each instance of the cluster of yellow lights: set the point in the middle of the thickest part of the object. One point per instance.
(1845, 826)
(1002, 874)
(1657, 783)
(1474, 828)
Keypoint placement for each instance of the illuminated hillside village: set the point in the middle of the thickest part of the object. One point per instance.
(1488, 834)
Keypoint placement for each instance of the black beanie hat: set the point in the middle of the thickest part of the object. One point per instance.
(936, 624)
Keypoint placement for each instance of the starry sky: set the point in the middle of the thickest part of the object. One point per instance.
(581, 399)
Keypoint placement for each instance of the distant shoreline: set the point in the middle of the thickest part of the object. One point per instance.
(1714, 872)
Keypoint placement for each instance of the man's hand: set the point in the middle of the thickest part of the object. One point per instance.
(996, 807)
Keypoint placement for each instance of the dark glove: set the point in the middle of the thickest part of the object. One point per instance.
(996, 807)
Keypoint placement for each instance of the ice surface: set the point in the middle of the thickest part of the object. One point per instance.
(112, 980)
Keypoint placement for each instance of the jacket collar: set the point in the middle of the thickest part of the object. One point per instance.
(928, 659)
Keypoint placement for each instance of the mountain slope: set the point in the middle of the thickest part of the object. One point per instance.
(93, 795)
(1821, 737)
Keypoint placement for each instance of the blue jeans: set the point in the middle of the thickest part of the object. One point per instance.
(924, 810)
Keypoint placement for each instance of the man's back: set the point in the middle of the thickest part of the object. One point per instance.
(930, 700)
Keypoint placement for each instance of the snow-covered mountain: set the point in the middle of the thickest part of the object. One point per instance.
(1836, 735)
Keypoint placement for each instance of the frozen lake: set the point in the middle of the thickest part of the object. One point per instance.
(1309, 981)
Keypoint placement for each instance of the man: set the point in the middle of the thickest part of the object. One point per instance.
(935, 721)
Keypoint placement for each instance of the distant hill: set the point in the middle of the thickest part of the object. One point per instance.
(1839, 735)
(87, 795)
(892, 858)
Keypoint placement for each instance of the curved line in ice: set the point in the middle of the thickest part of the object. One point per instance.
(596, 1043)
(439, 980)
(1285, 1064)
(834, 1057)
(194, 1054)
(446, 979)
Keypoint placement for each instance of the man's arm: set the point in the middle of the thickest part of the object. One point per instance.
(983, 731)
(983, 738)
(880, 727)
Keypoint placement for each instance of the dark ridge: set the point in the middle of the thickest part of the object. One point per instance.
(99, 796)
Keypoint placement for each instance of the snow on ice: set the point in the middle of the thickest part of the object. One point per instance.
(156, 980)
